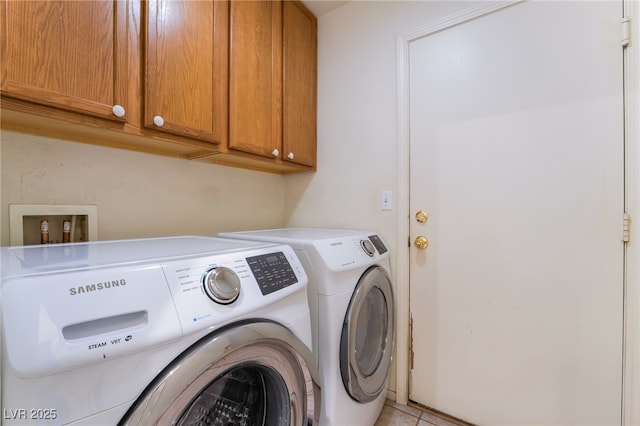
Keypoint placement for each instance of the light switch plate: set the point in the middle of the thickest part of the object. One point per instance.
(386, 200)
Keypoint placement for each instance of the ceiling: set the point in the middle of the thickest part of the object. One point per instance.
(321, 7)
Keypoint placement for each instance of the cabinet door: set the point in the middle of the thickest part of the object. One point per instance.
(255, 79)
(186, 68)
(66, 54)
(299, 84)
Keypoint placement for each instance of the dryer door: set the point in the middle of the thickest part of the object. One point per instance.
(246, 374)
(366, 343)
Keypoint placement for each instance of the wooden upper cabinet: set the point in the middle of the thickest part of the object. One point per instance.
(186, 68)
(300, 61)
(273, 79)
(255, 78)
(232, 82)
(70, 55)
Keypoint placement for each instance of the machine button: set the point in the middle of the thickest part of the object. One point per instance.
(221, 284)
(368, 247)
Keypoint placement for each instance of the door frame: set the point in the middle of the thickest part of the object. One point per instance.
(401, 264)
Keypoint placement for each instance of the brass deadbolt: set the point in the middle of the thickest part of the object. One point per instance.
(422, 216)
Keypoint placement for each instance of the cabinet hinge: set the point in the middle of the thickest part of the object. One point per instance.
(411, 342)
(626, 222)
(626, 31)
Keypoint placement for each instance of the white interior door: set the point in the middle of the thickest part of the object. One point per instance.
(516, 145)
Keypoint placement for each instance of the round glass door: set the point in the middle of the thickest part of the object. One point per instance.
(366, 345)
(244, 396)
(252, 374)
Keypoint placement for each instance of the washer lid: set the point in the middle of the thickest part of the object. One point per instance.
(53, 258)
(293, 235)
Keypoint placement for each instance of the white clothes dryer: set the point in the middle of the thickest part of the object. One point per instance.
(182, 331)
(352, 316)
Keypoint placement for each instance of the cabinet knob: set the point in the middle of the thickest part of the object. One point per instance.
(275, 152)
(158, 121)
(290, 156)
(118, 110)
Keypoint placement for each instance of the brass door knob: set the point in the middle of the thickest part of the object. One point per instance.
(421, 216)
(421, 242)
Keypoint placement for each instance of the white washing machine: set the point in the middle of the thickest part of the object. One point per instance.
(352, 316)
(184, 331)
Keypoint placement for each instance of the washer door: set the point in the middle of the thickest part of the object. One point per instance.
(246, 374)
(368, 331)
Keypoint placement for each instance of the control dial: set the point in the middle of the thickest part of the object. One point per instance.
(221, 284)
(368, 248)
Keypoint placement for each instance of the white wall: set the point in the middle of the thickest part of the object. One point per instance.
(138, 195)
(357, 117)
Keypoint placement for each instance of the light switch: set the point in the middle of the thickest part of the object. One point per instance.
(386, 200)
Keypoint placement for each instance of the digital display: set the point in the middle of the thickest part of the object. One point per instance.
(272, 272)
(378, 243)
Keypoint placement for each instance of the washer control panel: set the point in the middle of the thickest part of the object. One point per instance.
(272, 272)
(212, 290)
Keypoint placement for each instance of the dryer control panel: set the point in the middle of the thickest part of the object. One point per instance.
(351, 252)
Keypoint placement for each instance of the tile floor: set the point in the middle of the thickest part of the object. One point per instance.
(401, 415)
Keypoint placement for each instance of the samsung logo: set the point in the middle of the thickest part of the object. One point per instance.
(97, 287)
